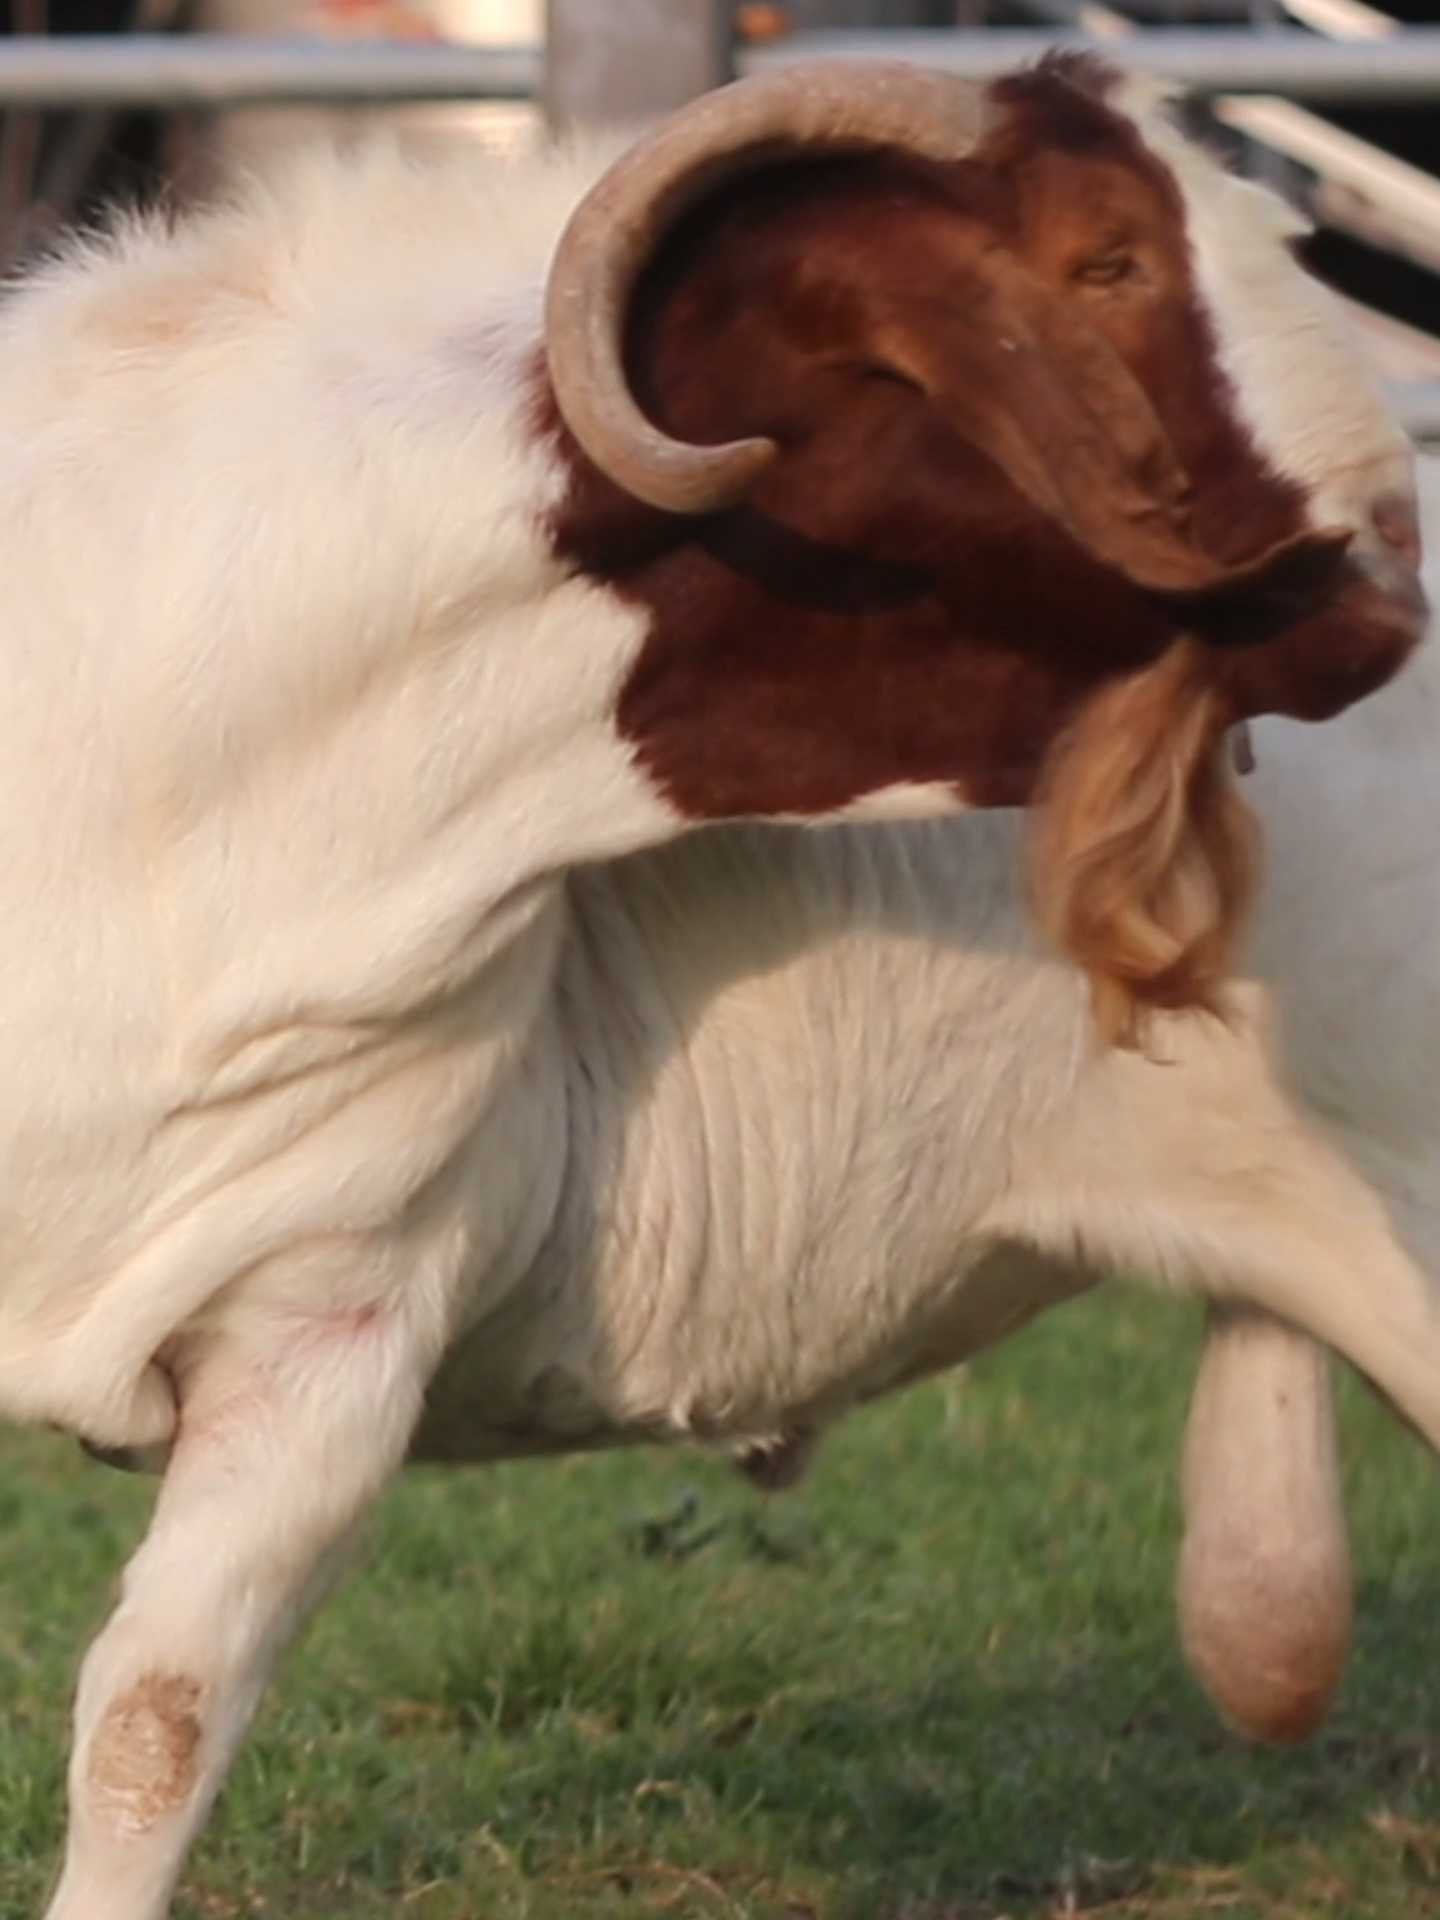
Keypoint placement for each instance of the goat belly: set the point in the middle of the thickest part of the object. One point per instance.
(515, 1386)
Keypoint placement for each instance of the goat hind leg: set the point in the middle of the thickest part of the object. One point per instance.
(284, 1442)
(1191, 1165)
(1195, 1168)
(1312, 1245)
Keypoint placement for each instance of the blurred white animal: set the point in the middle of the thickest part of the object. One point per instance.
(1348, 930)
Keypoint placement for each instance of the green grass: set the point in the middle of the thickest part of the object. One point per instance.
(939, 1682)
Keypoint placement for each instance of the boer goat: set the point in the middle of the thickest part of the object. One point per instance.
(870, 446)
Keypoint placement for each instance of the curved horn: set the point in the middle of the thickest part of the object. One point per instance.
(827, 107)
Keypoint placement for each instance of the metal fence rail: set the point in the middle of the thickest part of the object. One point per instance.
(166, 70)
(180, 70)
(1401, 67)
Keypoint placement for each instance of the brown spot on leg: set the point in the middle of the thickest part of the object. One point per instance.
(143, 1756)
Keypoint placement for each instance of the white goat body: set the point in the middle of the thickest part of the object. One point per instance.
(327, 1056)
(321, 741)
(794, 1066)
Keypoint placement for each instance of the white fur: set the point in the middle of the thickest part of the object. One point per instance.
(306, 658)
(331, 1037)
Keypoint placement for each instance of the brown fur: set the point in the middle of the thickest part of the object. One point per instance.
(1142, 853)
(1013, 507)
(144, 1755)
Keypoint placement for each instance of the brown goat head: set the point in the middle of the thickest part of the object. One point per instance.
(1010, 531)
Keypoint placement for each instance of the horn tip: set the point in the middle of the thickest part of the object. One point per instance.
(697, 480)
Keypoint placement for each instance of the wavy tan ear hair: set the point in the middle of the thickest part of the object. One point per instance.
(1142, 855)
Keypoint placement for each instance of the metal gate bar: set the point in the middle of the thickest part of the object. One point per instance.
(182, 70)
(232, 70)
(1401, 67)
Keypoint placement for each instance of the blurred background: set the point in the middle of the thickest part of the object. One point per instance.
(1360, 151)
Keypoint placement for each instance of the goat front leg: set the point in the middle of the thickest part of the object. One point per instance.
(1263, 1589)
(289, 1427)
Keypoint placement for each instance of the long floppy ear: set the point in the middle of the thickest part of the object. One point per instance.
(1026, 378)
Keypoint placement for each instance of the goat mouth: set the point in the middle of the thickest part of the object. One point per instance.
(1396, 521)
(1397, 579)
(1336, 653)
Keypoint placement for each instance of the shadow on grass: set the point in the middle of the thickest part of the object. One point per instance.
(1081, 1776)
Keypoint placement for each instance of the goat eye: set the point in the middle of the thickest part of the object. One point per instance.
(1107, 270)
(887, 373)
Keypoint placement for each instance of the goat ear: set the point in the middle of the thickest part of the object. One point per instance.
(1029, 381)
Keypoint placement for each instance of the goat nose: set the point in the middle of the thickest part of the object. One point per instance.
(1394, 519)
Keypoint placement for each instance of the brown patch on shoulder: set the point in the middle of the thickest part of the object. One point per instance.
(143, 1760)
